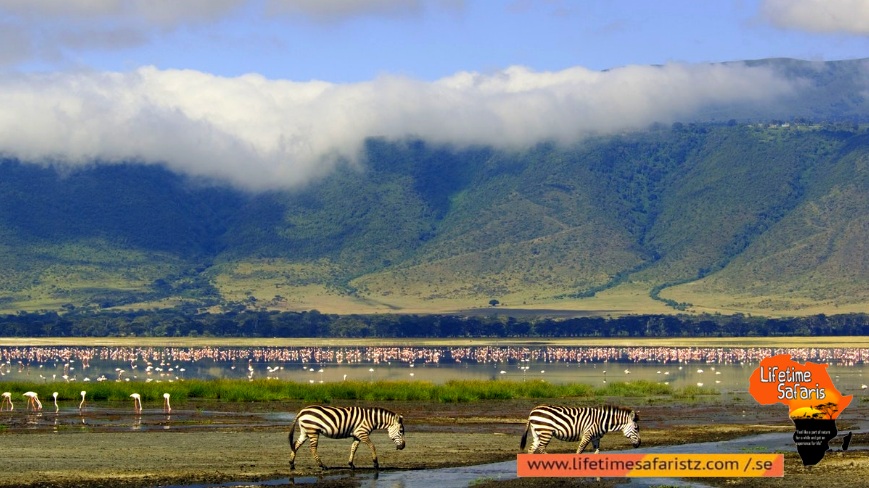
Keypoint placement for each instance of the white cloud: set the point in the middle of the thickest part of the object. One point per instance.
(160, 13)
(54, 30)
(343, 9)
(258, 133)
(340, 10)
(821, 16)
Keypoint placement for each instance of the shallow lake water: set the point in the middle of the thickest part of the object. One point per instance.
(726, 369)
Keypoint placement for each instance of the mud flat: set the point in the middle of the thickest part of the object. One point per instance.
(209, 443)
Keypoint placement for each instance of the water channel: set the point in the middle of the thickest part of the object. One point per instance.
(468, 475)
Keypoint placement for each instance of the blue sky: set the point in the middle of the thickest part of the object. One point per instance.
(290, 87)
(357, 40)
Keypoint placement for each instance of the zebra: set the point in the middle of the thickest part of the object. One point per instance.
(341, 423)
(578, 424)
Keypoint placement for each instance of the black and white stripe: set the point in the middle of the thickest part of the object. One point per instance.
(581, 424)
(341, 423)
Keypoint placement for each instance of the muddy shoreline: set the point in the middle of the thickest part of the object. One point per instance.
(208, 443)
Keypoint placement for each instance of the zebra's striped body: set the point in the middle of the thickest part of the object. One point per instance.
(341, 423)
(578, 424)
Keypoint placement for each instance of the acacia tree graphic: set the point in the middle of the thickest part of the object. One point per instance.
(825, 409)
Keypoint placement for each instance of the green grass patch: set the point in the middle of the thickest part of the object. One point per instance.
(457, 391)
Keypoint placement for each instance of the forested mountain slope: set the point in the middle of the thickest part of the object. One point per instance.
(692, 213)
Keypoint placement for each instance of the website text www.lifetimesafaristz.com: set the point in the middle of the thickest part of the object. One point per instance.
(650, 465)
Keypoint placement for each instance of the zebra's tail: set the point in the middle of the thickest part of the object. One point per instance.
(524, 436)
(292, 434)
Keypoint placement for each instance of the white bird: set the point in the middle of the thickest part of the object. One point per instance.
(81, 404)
(166, 407)
(33, 401)
(56, 408)
(137, 402)
(7, 398)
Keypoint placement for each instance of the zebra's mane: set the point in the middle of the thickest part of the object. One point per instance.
(386, 413)
(631, 412)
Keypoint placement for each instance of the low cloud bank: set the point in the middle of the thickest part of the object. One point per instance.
(820, 16)
(263, 134)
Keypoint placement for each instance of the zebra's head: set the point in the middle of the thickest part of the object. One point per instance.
(631, 430)
(396, 431)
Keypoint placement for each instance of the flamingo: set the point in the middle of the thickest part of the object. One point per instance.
(81, 404)
(166, 407)
(56, 408)
(7, 398)
(137, 402)
(33, 401)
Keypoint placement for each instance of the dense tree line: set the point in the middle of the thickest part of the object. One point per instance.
(175, 323)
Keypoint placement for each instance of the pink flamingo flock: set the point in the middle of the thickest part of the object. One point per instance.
(168, 363)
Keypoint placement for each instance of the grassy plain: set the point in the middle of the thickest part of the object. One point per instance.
(784, 305)
(287, 286)
(284, 286)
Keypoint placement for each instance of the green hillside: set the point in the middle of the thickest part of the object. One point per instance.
(761, 216)
(714, 216)
(817, 252)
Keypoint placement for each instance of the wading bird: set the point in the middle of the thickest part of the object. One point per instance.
(33, 402)
(81, 404)
(7, 398)
(56, 408)
(166, 407)
(137, 402)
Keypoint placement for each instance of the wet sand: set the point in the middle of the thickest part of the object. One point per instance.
(210, 443)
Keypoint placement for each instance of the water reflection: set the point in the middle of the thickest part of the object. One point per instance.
(724, 368)
(32, 419)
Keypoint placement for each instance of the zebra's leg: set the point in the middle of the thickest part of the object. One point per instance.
(595, 442)
(541, 440)
(315, 437)
(303, 436)
(367, 440)
(535, 440)
(353, 452)
(586, 437)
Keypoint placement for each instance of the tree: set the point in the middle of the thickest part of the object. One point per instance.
(494, 302)
(828, 409)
